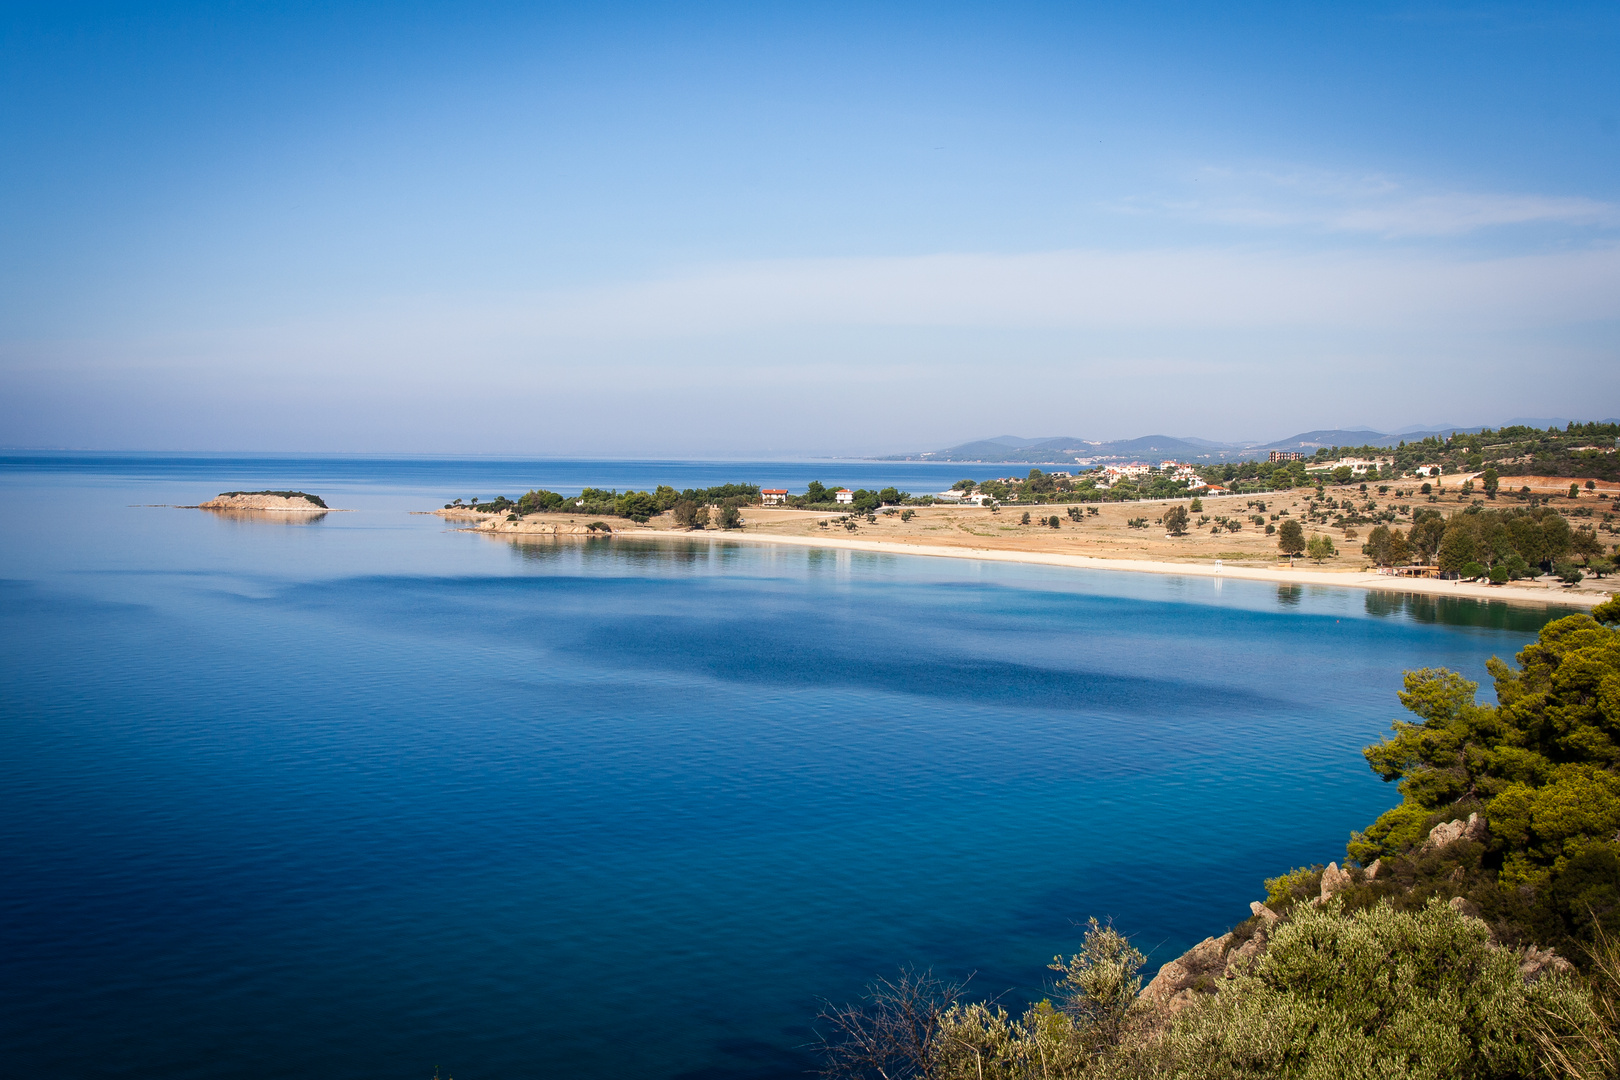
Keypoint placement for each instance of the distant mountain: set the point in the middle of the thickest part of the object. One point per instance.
(1068, 450)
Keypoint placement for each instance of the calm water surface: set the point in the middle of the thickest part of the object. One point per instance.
(366, 796)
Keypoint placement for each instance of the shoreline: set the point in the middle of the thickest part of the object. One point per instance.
(1540, 596)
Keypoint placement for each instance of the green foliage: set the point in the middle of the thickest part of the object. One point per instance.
(1175, 520)
(1291, 538)
(1375, 993)
(1301, 884)
(1568, 573)
(1321, 547)
(540, 501)
(730, 517)
(689, 513)
(1196, 506)
(1542, 767)
(1364, 994)
(1025, 519)
(1387, 547)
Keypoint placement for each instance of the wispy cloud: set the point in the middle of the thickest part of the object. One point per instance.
(1371, 203)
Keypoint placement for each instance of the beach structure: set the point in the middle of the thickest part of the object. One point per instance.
(773, 496)
(844, 495)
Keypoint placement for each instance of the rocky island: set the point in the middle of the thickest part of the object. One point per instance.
(294, 502)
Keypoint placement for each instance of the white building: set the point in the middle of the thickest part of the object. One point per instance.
(844, 495)
(1357, 466)
(773, 496)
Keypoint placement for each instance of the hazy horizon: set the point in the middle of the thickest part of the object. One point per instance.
(726, 231)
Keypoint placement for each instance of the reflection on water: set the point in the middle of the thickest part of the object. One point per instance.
(277, 517)
(1461, 611)
(1290, 594)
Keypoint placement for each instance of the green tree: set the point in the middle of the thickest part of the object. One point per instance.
(1458, 547)
(730, 517)
(686, 513)
(1585, 545)
(890, 496)
(638, 506)
(1491, 483)
(817, 492)
(1175, 520)
(1321, 547)
(1197, 505)
(1343, 474)
(1025, 519)
(1291, 538)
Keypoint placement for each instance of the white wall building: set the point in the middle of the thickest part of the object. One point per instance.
(844, 495)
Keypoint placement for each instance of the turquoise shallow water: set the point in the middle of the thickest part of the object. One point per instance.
(366, 796)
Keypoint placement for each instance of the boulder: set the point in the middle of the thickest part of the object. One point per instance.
(1333, 879)
(1179, 982)
(1538, 962)
(1449, 832)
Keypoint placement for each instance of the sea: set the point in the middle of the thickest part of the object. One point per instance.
(367, 796)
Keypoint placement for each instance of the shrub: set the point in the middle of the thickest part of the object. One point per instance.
(1375, 993)
(1568, 573)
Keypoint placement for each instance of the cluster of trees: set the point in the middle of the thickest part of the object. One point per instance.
(1505, 545)
(1541, 768)
(819, 496)
(1040, 487)
(688, 506)
(1411, 968)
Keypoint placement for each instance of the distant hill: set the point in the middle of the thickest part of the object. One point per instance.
(1069, 450)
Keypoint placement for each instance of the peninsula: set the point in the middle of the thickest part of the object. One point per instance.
(1228, 535)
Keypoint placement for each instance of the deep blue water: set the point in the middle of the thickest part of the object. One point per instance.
(367, 796)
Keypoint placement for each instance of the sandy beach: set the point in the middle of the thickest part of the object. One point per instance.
(1118, 536)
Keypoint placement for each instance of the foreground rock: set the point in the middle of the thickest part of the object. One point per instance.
(289, 502)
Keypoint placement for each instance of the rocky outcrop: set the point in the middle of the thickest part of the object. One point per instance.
(537, 525)
(1180, 982)
(1538, 962)
(1333, 880)
(1449, 832)
(1202, 969)
(286, 502)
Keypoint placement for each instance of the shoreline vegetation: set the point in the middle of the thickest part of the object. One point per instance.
(1414, 536)
(1474, 931)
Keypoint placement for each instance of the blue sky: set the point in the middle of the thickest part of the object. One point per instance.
(711, 229)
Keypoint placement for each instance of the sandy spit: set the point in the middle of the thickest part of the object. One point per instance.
(1536, 595)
